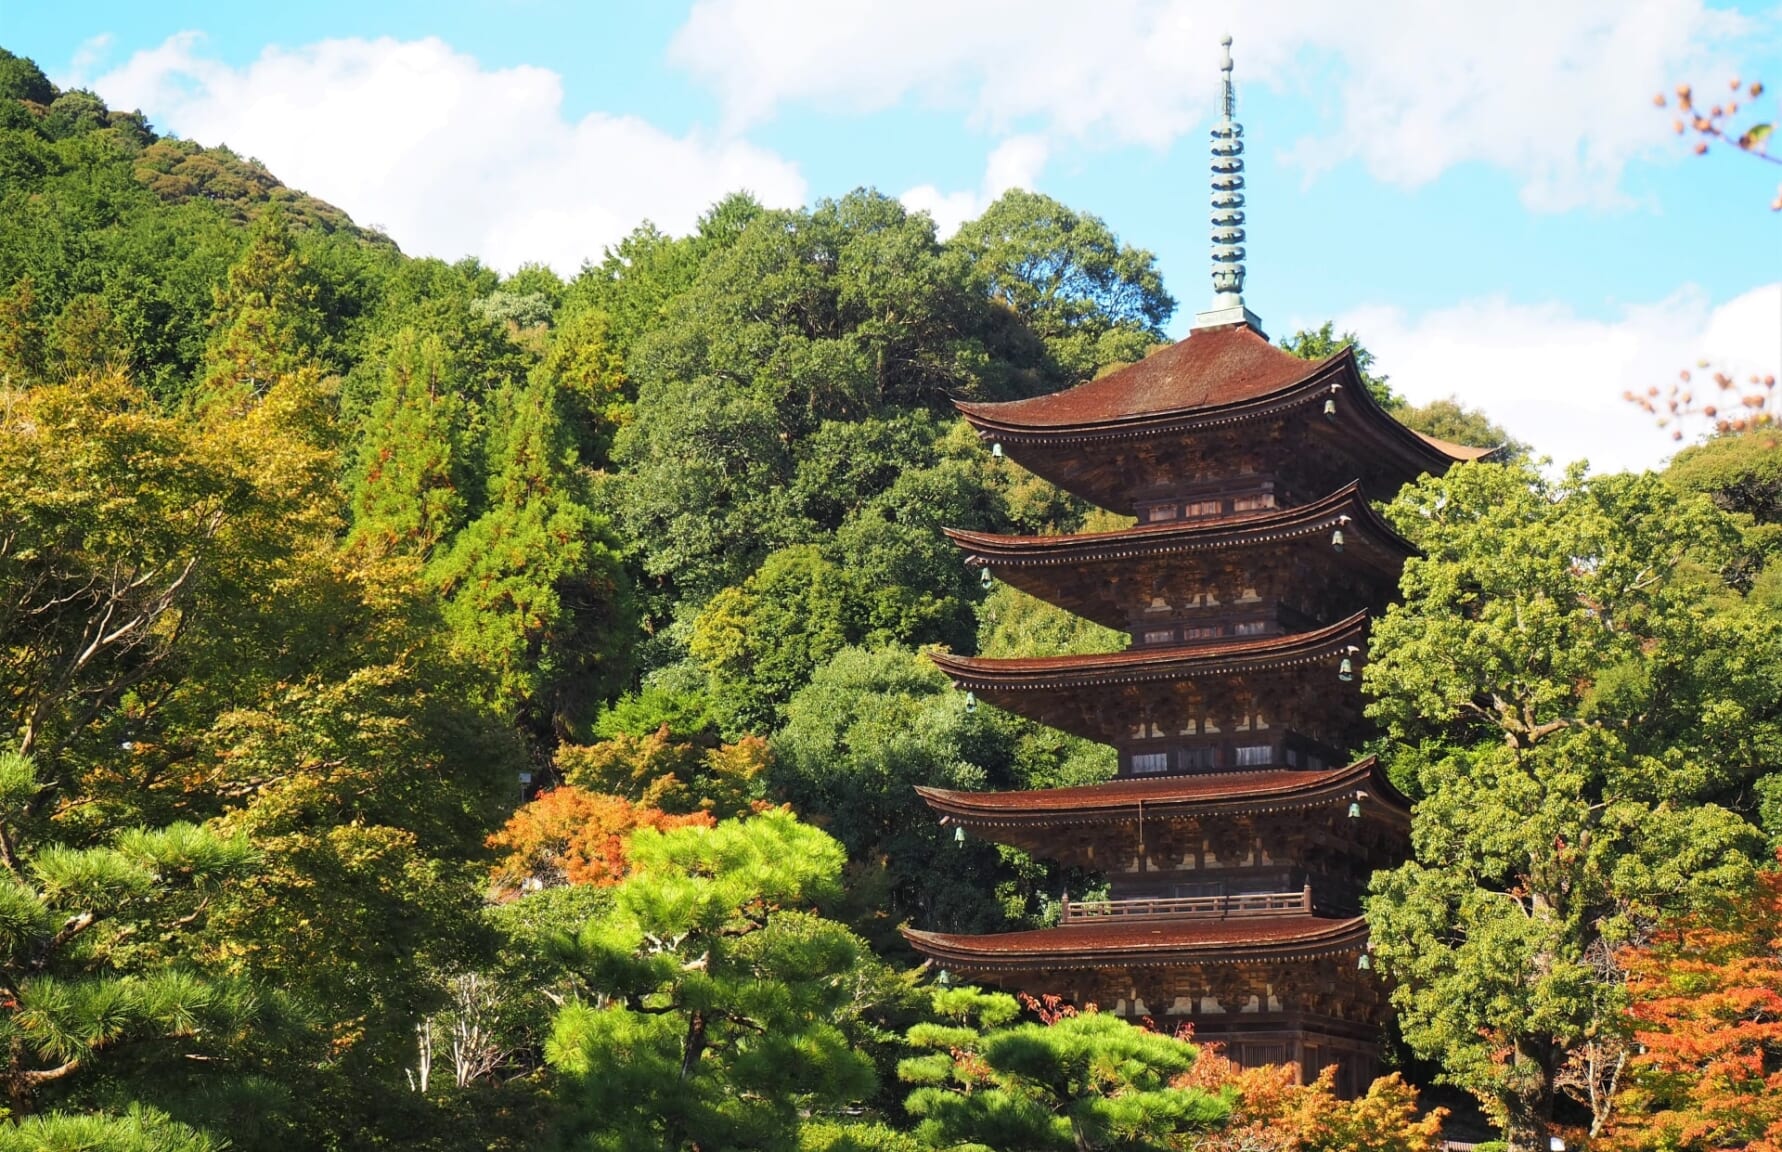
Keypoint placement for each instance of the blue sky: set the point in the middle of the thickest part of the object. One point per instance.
(1484, 193)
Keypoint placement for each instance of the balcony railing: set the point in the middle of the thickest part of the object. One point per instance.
(1191, 907)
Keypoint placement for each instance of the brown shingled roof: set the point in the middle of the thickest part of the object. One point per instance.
(1161, 663)
(1212, 368)
(1160, 794)
(1146, 942)
(1191, 535)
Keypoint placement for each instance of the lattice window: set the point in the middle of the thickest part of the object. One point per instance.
(1150, 763)
(1200, 758)
(1255, 756)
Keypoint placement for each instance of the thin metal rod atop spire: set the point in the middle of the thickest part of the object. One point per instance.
(1228, 210)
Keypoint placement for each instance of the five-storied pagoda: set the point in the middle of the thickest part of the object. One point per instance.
(1237, 838)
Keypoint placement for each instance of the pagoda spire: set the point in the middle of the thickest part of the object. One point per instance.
(1228, 210)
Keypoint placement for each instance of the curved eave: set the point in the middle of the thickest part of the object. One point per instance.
(1334, 377)
(1004, 421)
(1136, 666)
(1156, 943)
(1462, 453)
(1184, 796)
(1347, 507)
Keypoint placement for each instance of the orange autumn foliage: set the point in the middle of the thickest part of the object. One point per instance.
(568, 836)
(1272, 1113)
(1707, 1009)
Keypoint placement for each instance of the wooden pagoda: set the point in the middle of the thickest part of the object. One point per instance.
(1237, 838)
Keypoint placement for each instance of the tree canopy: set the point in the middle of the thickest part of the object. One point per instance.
(1580, 702)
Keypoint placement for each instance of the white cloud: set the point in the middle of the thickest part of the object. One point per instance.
(1556, 93)
(446, 156)
(1015, 163)
(1555, 380)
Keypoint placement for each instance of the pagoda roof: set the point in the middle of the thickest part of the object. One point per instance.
(1160, 797)
(1348, 505)
(1141, 943)
(1218, 381)
(1163, 663)
(1226, 372)
(1214, 368)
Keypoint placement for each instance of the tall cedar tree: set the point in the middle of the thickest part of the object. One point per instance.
(408, 486)
(535, 589)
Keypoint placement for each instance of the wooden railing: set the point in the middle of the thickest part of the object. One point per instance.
(1191, 907)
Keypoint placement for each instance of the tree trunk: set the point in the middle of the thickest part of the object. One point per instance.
(1528, 1106)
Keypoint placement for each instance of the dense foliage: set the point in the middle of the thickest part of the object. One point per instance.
(1706, 995)
(449, 710)
(1582, 700)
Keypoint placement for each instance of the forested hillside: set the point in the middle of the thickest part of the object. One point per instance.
(451, 710)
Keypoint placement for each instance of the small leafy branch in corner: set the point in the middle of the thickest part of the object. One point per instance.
(1729, 406)
(1717, 122)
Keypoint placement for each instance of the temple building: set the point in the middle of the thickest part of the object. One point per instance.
(1237, 837)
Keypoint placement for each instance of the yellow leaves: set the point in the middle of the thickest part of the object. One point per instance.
(655, 771)
(1272, 1112)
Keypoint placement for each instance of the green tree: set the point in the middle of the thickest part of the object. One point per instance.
(1085, 1082)
(21, 336)
(1454, 422)
(408, 486)
(589, 371)
(719, 1010)
(869, 727)
(1742, 474)
(760, 642)
(1323, 342)
(842, 313)
(1092, 300)
(535, 590)
(1580, 701)
(22, 79)
(137, 1129)
(637, 280)
(116, 521)
(915, 590)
